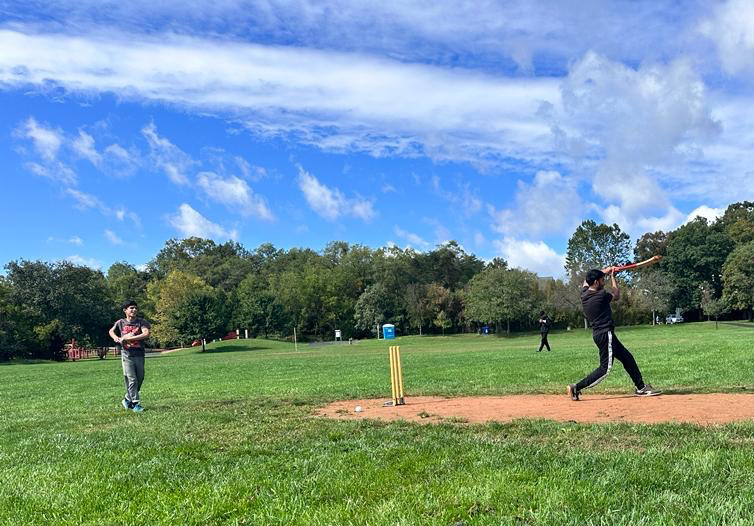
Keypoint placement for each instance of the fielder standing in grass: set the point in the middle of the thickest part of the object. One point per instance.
(544, 329)
(131, 333)
(596, 303)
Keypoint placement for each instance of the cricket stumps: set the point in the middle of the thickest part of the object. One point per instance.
(396, 376)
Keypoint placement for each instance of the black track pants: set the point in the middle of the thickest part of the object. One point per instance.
(544, 342)
(610, 347)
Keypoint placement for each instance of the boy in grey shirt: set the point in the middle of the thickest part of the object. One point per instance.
(131, 333)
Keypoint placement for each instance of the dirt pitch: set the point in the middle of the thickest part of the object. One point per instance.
(702, 409)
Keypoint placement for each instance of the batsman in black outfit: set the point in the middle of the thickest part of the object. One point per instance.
(596, 303)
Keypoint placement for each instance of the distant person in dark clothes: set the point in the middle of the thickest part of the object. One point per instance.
(596, 303)
(544, 329)
(130, 332)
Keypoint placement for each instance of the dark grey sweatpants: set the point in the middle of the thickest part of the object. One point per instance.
(133, 376)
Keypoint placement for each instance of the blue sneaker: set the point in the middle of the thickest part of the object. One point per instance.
(126, 404)
(137, 408)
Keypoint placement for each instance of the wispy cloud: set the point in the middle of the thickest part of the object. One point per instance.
(234, 193)
(333, 99)
(85, 200)
(330, 203)
(113, 238)
(46, 140)
(176, 163)
(414, 239)
(85, 262)
(190, 223)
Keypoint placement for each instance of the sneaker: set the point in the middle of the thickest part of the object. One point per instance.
(648, 390)
(126, 404)
(137, 408)
(573, 392)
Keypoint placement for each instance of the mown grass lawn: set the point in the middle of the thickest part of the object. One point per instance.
(229, 438)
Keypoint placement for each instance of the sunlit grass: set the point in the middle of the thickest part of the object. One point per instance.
(229, 437)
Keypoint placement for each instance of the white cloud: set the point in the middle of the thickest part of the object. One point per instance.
(536, 257)
(55, 171)
(112, 237)
(333, 99)
(551, 204)
(172, 160)
(249, 171)
(709, 213)
(413, 239)
(234, 193)
(331, 203)
(121, 214)
(84, 200)
(47, 141)
(190, 223)
(85, 262)
(633, 124)
(76, 240)
(731, 28)
(83, 145)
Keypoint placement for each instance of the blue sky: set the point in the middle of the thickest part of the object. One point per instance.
(501, 125)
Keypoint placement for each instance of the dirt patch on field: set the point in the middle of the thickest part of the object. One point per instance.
(704, 409)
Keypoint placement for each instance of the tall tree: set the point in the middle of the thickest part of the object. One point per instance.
(595, 245)
(166, 295)
(198, 315)
(654, 289)
(695, 255)
(738, 222)
(651, 244)
(374, 307)
(417, 306)
(738, 278)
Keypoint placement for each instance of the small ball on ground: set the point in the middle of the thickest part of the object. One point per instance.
(358, 409)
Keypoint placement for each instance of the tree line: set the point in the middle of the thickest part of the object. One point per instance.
(195, 288)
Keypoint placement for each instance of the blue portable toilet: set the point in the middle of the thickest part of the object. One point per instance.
(388, 331)
(486, 329)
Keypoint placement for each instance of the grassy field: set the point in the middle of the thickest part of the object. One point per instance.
(228, 437)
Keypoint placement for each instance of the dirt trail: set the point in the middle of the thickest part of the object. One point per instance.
(704, 409)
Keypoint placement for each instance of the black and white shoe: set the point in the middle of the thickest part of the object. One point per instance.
(647, 390)
(573, 392)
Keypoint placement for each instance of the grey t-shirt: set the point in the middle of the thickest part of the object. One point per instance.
(123, 326)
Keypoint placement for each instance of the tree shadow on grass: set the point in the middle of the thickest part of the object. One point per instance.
(234, 348)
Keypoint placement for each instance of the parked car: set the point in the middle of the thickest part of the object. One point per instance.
(673, 318)
(230, 336)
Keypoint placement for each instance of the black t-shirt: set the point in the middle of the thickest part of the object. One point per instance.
(544, 324)
(597, 309)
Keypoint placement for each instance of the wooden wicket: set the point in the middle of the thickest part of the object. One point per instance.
(396, 375)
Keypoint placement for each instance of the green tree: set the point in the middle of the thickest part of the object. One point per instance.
(198, 315)
(712, 306)
(595, 245)
(738, 278)
(166, 295)
(695, 255)
(502, 295)
(417, 306)
(259, 310)
(651, 244)
(443, 321)
(373, 307)
(738, 222)
(654, 289)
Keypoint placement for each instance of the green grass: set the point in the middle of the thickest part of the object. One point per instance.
(229, 438)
